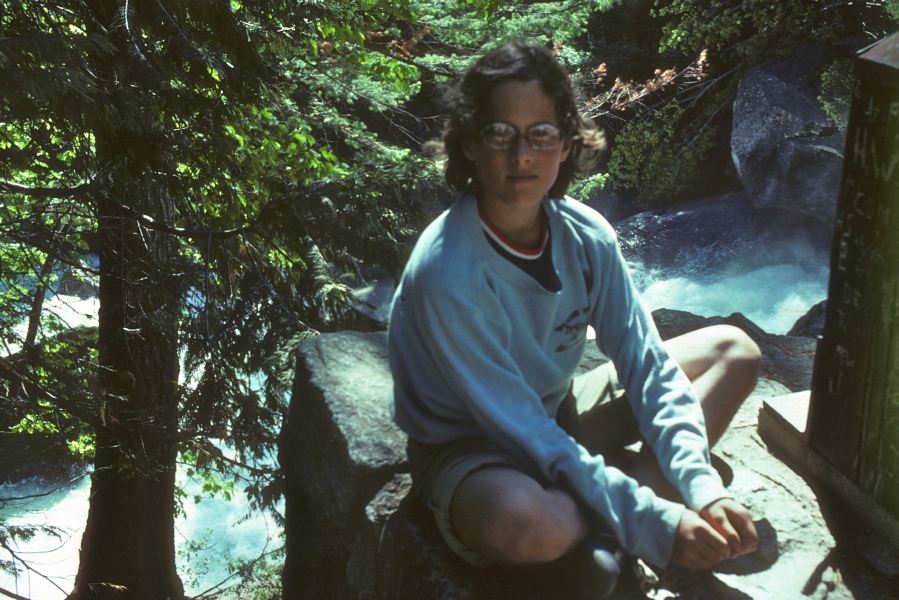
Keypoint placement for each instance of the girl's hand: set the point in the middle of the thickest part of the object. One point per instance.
(697, 545)
(734, 522)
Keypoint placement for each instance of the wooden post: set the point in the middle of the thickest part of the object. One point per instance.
(854, 420)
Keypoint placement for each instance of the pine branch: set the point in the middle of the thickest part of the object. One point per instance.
(236, 573)
(18, 367)
(29, 568)
(8, 187)
(371, 100)
(156, 225)
(50, 492)
(13, 595)
(218, 454)
(277, 298)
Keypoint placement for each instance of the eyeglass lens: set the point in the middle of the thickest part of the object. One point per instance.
(501, 136)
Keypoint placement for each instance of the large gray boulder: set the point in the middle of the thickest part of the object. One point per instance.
(786, 151)
(812, 323)
(354, 532)
(338, 448)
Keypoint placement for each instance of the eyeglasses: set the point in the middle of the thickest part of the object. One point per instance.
(502, 136)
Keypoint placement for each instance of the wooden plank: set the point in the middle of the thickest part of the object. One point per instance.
(854, 421)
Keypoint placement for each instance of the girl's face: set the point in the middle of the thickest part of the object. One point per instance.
(519, 177)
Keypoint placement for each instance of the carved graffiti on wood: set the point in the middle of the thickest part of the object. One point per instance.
(855, 390)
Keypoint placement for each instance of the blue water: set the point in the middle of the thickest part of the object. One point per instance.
(773, 297)
(230, 535)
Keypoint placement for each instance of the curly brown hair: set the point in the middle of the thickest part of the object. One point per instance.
(521, 61)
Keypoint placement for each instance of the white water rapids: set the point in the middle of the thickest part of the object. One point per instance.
(221, 523)
(773, 297)
(221, 527)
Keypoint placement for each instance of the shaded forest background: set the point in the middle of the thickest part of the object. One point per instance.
(223, 174)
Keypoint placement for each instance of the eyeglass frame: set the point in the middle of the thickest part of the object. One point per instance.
(514, 139)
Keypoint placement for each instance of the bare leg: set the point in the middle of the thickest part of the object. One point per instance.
(511, 519)
(723, 364)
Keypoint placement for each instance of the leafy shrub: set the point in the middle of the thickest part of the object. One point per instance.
(836, 82)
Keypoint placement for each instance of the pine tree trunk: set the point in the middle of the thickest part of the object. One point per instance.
(127, 551)
(128, 547)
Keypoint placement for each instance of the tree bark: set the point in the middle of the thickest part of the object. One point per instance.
(128, 548)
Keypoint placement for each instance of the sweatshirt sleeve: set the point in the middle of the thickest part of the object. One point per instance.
(466, 357)
(661, 396)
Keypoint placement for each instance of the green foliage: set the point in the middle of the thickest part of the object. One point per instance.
(664, 153)
(83, 447)
(34, 424)
(586, 187)
(234, 175)
(743, 32)
(199, 559)
(256, 578)
(547, 22)
(242, 141)
(892, 8)
(259, 578)
(648, 156)
(836, 83)
(465, 34)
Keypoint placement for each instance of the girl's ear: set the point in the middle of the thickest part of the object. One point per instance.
(467, 151)
(566, 149)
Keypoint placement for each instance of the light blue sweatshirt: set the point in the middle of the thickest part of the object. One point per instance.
(478, 347)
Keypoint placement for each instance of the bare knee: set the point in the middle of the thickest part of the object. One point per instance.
(738, 351)
(720, 350)
(531, 530)
(517, 524)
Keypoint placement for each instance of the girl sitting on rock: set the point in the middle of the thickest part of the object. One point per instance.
(520, 461)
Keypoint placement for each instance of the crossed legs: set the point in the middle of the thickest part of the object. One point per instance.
(511, 519)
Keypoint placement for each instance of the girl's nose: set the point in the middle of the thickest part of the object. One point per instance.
(522, 148)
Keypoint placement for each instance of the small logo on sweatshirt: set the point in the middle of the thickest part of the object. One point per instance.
(573, 329)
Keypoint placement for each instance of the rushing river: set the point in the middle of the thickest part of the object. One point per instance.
(218, 530)
(221, 528)
(773, 296)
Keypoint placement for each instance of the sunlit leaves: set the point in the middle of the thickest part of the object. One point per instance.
(273, 170)
(467, 24)
(749, 30)
(368, 74)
